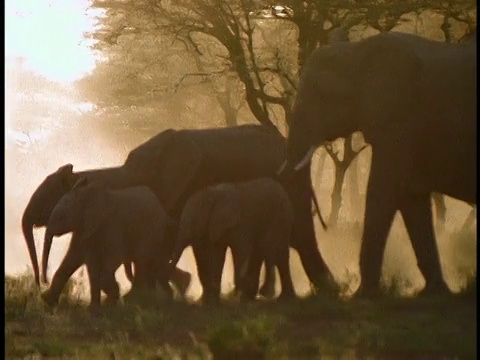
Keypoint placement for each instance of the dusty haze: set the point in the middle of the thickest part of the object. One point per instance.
(49, 125)
(87, 147)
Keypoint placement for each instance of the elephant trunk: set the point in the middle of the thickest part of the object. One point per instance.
(301, 142)
(181, 243)
(27, 228)
(47, 245)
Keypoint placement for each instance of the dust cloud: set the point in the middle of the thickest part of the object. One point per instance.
(77, 140)
(48, 128)
(86, 145)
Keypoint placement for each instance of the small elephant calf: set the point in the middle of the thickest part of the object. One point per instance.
(112, 227)
(253, 218)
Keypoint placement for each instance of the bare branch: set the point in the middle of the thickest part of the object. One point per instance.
(197, 74)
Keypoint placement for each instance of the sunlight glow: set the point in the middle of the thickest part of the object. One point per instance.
(48, 34)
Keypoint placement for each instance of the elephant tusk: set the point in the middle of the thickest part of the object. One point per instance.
(282, 168)
(306, 159)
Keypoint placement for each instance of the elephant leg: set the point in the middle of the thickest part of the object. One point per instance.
(268, 287)
(111, 288)
(380, 209)
(305, 243)
(304, 239)
(147, 276)
(181, 279)
(417, 214)
(74, 258)
(95, 278)
(160, 271)
(201, 260)
(285, 275)
(249, 283)
(216, 264)
(148, 273)
(240, 254)
(108, 282)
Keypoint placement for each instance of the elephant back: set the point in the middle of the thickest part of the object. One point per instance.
(239, 153)
(176, 163)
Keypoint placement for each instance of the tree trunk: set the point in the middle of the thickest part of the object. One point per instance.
(317, 178)
(441, 209)
(353, 187)
(472, 217)
(340, 170)
(230, 112)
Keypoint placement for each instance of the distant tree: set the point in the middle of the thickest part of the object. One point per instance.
(342, 163)
(471, 218)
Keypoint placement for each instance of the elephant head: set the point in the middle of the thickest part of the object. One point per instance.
(168, 163)
(83, 209)
(40, 206)
(51, 190)
(343, 85)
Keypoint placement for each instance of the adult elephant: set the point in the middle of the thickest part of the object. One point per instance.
(175, 164)
(415, 102)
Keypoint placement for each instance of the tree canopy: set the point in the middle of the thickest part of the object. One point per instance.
(252, 46)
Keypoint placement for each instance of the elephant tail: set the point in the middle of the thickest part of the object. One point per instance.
(184, 231)
(180, 245)
(177, 253)
(47, 245)
(317, 208)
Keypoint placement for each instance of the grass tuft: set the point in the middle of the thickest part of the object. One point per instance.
(244, 339)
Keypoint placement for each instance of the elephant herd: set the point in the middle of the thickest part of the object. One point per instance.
(248, 188)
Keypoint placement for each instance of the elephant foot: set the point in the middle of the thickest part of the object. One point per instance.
(367, 293)
(95, 310)
(211, 300)
(246, 297)
(182, 282)
(287, 296)
(439, 289)
(135, 296)
(49, 298)
(233, 294)
(267, 291)
(111, 301)
(325, 285)
(128, 298)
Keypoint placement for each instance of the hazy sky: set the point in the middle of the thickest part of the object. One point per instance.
(49, 35)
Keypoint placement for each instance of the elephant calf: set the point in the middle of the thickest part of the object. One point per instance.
(112, 227)
(253, 218)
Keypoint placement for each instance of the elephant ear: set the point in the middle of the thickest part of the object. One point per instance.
(96, 208)
(80, 182)
(334, 84)
(65, 175)
(176, 166)
(225, 215)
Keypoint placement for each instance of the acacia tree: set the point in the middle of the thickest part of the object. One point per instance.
(226, 40)
(342, 163)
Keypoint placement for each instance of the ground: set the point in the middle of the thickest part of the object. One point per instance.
(311, 328)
